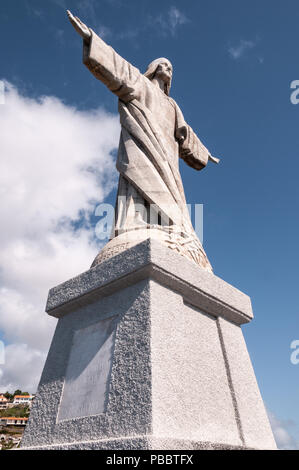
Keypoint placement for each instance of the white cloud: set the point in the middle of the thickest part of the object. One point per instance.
(33, 11)
(236, 52)
(176, 18)
(22, 368)
(169, 22)
(103, 31)
(164, 24)
(60, 3)
(87, 7)
(55, 165)
(59, 35)
(280, 429)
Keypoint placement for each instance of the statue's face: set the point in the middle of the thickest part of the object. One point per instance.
(164, 71)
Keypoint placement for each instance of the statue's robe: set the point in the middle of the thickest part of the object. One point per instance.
(148, 155)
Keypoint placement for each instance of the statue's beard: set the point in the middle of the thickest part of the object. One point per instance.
(166, 81)
(164, 77)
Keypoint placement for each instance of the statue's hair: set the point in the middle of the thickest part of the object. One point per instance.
(151, 70)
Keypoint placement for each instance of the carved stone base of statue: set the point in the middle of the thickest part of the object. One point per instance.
(148, 353)
(172, 237)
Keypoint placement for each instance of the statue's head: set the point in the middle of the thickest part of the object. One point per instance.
(162, 69)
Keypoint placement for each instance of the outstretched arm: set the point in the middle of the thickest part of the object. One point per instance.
(121, 77)
(193, 151)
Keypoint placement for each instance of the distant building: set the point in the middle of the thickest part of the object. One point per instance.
(3, 402)
(23, 399)
(13, 421)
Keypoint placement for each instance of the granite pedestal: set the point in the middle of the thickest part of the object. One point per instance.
(148, 353)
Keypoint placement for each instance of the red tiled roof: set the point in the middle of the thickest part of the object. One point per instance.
(22, 396)
(9, 417)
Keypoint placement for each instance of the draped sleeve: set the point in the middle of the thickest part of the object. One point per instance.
(191, 149)
(121, 77)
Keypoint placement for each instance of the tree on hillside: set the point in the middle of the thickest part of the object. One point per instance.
(8, 395)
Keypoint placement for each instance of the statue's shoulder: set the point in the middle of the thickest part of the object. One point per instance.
(174, 103)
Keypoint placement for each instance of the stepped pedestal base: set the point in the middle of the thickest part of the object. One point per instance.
(148, 353)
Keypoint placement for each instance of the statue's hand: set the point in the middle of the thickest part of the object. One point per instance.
(181, 134)
(80, 27)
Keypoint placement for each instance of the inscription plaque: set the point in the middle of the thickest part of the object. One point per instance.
(87, 376)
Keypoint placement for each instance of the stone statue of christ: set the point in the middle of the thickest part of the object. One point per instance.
(153, 136)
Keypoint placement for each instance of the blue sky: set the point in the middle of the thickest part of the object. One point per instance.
(233, 64)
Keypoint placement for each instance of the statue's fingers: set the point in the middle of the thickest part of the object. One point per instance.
(83, 25)
(76, 22)
(72, 19)
(69, 14)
